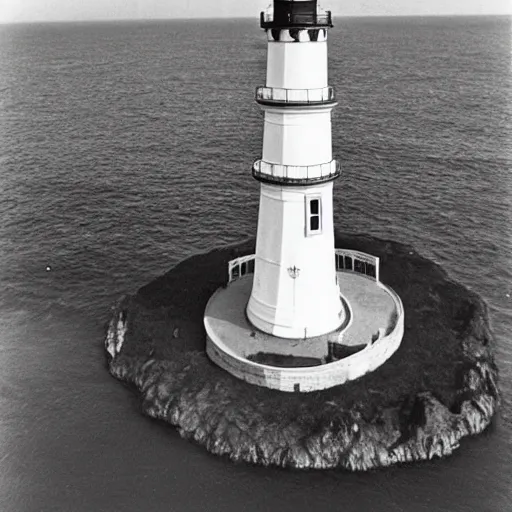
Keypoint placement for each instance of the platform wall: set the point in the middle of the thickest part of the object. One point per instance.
(315, 377)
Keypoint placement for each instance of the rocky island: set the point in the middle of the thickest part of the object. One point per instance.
(438, 387)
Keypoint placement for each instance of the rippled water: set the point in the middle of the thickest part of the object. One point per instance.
(127, 147)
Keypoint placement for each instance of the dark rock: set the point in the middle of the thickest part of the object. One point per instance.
(440, 386)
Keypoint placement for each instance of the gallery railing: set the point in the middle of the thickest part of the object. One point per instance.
(319, 19)
(297, 96)
(356, 261)
(239, 267)
(298, 174)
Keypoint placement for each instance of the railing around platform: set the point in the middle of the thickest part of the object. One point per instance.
(295, 173)
(299, 96)
(240, 267)
(321, 18)
(346, 259)
(356, 261)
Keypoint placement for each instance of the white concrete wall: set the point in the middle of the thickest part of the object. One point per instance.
(297, 138)
(297, 65)
(315, 377)
(308, 305)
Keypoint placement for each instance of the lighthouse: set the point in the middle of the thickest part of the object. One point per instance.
(295, 292)
(299, 314)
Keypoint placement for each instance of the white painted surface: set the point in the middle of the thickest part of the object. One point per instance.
(303, 33)
(308, 305)
(305, 302)
(297, 137)
(308, 378)
(297, 65)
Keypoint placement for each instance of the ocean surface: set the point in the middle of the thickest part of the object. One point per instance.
(126, 147)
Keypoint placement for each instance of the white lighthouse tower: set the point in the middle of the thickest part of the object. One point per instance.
(295, 292)
(300, 315)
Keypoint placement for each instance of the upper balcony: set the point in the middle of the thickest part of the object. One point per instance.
(295, 97)
(295, 20)
(279, 174)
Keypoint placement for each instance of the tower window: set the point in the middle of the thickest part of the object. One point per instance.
(313, 216)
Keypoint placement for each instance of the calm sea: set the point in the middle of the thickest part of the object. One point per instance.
(125, 147)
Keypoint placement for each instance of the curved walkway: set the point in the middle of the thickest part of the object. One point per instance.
(372, 308)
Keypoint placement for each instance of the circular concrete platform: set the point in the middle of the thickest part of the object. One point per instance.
(370, 334)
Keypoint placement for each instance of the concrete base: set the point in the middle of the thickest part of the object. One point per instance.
(373, 312)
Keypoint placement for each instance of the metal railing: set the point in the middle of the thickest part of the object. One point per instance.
(356, 261)
(299, 96)
(296, 173)
(322, 18)
(239, 267)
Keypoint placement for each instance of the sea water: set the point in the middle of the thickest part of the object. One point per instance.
(126, 147)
